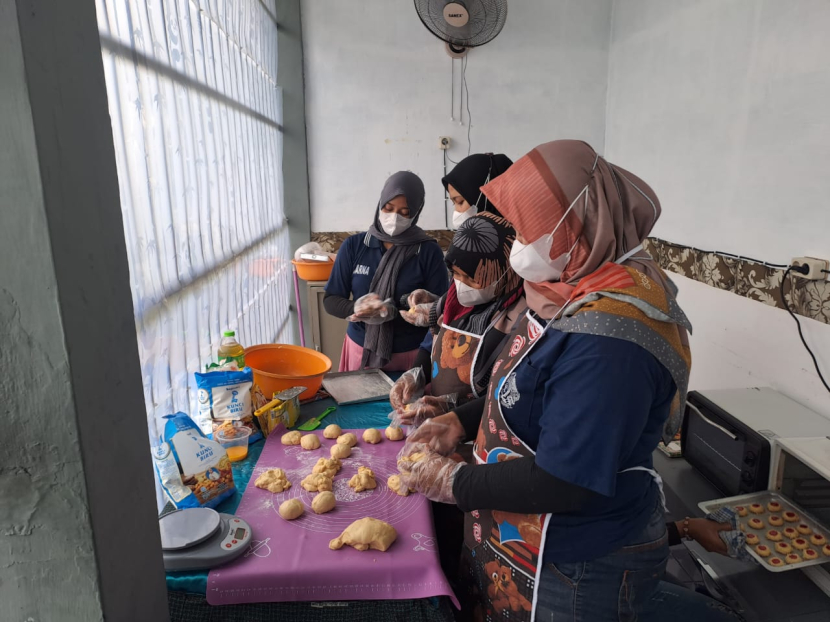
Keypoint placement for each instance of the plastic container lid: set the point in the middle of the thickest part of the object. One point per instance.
(232, 433)
(229, 333)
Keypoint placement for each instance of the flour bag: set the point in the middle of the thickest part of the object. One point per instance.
(194, 471)
(224, 397)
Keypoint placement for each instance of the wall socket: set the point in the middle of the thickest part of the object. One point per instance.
(443, 143)
(818, 268)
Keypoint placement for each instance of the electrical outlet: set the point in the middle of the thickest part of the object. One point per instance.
(817, 268)
(443, 142)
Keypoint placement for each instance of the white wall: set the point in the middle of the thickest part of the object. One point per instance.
(722, 107)
(378, 96)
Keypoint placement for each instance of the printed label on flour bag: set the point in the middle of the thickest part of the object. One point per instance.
(225, 400)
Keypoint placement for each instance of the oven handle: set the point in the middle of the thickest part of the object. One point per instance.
(734, 437)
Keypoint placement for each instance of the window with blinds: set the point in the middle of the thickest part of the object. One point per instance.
(196, 116)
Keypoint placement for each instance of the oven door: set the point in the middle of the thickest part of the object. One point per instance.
(732, 456)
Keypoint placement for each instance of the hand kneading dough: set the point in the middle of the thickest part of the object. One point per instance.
(405, 462)
(327, 466)
(394, 434)
(310, 441)
(273, 480)
(316, 482)
(396, 485)
(332, 431)
(372, 436)
(347, 439)
(291, 509)
(340, 451)
(291, 438)
(363, 480)
(324, 502)
(366, 533)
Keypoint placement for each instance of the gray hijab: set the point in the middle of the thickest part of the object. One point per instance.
(377, 345)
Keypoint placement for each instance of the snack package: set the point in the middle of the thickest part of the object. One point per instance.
(225, 400)
(193, 470)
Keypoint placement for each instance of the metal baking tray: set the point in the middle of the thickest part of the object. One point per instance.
(764, 497)
(354, 387)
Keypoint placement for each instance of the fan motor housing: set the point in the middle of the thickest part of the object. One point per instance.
(456, 14)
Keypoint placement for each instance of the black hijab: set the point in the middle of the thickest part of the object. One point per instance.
(471, 174)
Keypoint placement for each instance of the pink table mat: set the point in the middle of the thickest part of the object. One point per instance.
(291, 560)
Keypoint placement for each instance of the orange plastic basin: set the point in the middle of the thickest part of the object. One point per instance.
(313, 270)
(278, 366)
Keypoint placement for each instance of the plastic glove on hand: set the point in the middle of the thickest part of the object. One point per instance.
(427, 407)
(420, 296)
(441, 434)
(372, 310)
(429, 473)
(408, 388)
(418, 315)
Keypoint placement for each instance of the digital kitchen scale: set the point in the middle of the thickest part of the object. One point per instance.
(201, 538)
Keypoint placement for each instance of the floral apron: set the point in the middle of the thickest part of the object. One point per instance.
(502, 554)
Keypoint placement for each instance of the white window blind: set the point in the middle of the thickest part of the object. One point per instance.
(196, 117)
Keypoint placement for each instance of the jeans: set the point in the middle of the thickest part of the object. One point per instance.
(624, 586)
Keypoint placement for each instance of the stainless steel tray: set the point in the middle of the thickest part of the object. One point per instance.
(353, 387)
(764, 497)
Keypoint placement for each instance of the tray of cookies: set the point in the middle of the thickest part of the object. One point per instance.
(779, 534)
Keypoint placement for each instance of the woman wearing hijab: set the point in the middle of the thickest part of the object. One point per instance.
(565, 517)
(463, 184)
(378, 268)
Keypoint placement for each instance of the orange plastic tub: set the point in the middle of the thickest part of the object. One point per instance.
(278, 366)
(314, 270)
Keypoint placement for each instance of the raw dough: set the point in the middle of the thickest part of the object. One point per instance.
(291, 509)
(316, 482)
(405, 462)
(394, 433)
(372, 435)
(332, 431)
(339, 450)
(396, 485)
(273, 480)
(324, 502)
(347, 439)
(327, 466)
(310, 441)
(366, 533)
(291, 438)
(363, 480)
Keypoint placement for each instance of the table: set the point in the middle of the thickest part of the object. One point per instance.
(764, 596)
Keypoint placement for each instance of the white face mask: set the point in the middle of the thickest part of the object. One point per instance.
(470, 296)
(532, 261)
(459, 217)
(393, 223)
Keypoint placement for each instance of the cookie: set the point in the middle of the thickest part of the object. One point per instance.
(752, 539)
(791, 517)
(763, 550)
(826, 550)
(804, 529)
(776, 561)
(800, 544)
(793, 558)
(774, 506)
(783, 548)
(791, 533)
(774, 535)
(741, 510)
(776, 520)
(756, 508)
(810, 554)
(818, 539)
(756, 523)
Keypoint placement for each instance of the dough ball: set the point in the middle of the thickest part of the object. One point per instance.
(291, 438)
(340, 451)
(372, 435)
(348, 439)
(291, 509)
(273, 480)
(405, 462)
(364, 479)
(397, 486)
(310, 441)
(394, 433)
(316, 482)
(332, 431)
(324, 502)
(366, 533)
(327, 466)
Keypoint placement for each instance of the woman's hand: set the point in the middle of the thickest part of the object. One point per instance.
(427, 472)
(441, 434)
(420, 296)
(427, 407)
(706, 533)
(372, 310)
(418, 315)
(408, 388)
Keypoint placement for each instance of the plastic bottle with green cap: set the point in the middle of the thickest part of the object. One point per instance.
(230, 350)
